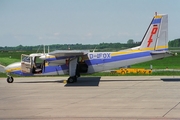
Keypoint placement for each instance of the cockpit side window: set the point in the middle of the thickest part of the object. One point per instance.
(38, 60)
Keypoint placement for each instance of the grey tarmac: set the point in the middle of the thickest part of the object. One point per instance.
(97, 98)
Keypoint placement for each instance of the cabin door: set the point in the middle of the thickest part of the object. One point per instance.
(26, 63)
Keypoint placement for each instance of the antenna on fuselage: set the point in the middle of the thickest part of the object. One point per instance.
(38, 48)
(94, 49)
(69, 47)
(44, 49)
(48, 49)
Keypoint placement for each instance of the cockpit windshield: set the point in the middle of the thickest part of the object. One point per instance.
(25, 58)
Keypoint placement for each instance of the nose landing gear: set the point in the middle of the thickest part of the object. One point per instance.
(10, 79)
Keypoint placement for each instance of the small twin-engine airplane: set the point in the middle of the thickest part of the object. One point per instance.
(154, 45)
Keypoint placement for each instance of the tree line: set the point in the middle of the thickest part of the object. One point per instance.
(97, 47)
(77, 46)
(174, 43)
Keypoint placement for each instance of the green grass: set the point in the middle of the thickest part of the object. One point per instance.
(6, 61)
(7, 58)
(172, 62)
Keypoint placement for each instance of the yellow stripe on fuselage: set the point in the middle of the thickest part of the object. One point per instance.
(124, 52)
(12, 69)
(50, 56)
(130, 51)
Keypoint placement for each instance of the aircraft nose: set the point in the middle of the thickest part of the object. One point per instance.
(12, 67)
(6, 69)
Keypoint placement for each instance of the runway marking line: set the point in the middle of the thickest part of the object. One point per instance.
(171, 109)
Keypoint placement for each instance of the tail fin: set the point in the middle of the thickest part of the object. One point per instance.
(156, 36)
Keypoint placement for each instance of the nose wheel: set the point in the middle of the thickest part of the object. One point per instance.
(10, 79)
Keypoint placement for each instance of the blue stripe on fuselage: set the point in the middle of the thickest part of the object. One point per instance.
(118, 58)
(55, 68)
(19, 72)
(47, 69)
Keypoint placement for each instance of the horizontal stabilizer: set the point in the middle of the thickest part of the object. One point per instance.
(158, 52)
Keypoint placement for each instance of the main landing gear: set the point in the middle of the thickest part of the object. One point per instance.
(10, 79)
(73, 70)
(72, 79)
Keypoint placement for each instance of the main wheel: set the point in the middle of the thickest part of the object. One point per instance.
(72, 79)
(10, 79)
(78, 75)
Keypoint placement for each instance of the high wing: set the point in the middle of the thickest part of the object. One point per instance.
(66, 53)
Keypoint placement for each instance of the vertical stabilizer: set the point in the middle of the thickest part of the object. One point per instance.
(156, 37)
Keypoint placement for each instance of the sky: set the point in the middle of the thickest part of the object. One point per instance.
(47, 22)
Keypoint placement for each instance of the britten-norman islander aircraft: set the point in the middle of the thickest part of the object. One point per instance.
(154, 45)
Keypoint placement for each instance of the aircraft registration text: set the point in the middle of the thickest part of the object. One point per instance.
(100, 55)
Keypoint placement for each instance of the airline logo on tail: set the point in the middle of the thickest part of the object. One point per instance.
(156, 21)
(153, 32)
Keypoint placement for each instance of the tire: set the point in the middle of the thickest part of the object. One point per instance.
(10, 79)
(71, 79)
(78, 75)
